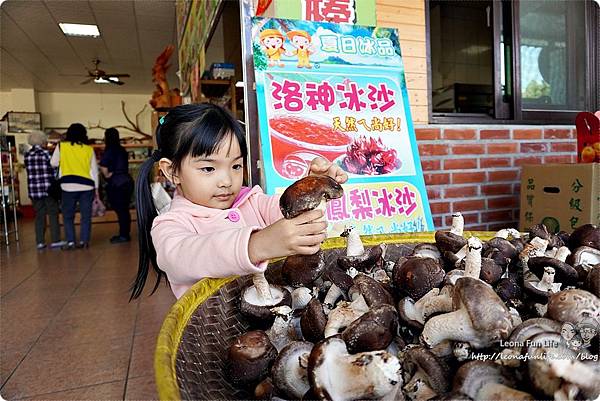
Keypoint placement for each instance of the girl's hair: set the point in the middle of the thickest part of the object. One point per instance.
(37, 138)
(111, 138)
(188, 130)
(76, 133)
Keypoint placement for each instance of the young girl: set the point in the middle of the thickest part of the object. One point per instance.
(215, 227)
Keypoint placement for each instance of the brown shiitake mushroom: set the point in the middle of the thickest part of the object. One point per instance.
(307, 194)
(451, 241)
(573, 306)
(565, 273)
(370, 259)
(334, 374)
(541, 231)
(258, 311)
(372, 290)
(426, 375)
(509, 291)
(344, 314)
(372, 331)
(264, 390)
(584, 255)
(518, 341)
(592, 281)
(289, 369)
(303, 270)
(586, 235)
(313, 321)
(539, 290)
(250, 357)
(491, 272)
(340, 284)
(417, 276)
(427, 250)
(506, 248)
(479, 317)
(487, 381)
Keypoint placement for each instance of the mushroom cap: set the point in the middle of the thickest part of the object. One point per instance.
(530, 281)
(427, 250)
(288, 375)
(339, 277)
(261, 315)
(539, 230)
(306, 194)
(486, 310)
(313, 321)
(508, 289)
(371, 258)
(573, 306)
(497, 256)
(372, 331)
(491, 272)
(453, 396)
(437, 371)
(372, 290)
(507, 249)
(472, 376)
(584, 255)
(447, 241)
(264, 390)
(417, 276)
(532, 327)
(565, 273)
(544, 347)
(303, 270)
(250, 357)
(592, 281)
(586, 235)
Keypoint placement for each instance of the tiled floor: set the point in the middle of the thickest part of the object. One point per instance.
(67, 328)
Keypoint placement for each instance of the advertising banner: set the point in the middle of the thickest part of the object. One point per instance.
(338, 91)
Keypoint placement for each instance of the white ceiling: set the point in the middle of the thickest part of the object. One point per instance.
(34, 53)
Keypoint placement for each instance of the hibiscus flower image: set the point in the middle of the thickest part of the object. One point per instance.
(367, 156)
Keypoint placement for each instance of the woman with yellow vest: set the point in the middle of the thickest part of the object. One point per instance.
(78, 173)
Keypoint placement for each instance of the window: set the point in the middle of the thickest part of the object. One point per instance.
(518, 61)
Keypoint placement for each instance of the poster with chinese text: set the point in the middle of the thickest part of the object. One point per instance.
(338, 91)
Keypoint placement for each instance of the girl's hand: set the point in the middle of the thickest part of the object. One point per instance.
(321, 166)
(300, 235)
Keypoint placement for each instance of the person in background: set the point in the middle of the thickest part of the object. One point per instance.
(115, 168)
(78, 172)
(40, 175)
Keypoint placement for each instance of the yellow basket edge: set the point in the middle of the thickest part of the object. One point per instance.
(180, 313)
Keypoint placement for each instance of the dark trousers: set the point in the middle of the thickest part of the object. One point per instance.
(69, 201)
(46, 206)
(119, 197)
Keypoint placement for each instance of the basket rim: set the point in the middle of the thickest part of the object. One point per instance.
(171, 331)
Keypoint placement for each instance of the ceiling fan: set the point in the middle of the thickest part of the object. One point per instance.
(101, 77)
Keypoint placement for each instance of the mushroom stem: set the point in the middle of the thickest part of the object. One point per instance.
(547, 281)
(458, 224)
(280, 331)
(473, 258)
(354, 245)
(332, 296)
(344, 314)
(562, 253)
(263, 289)
(454, 326)
(496, 391)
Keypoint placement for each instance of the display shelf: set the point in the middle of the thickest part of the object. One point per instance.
(220, 91)
(9, 192)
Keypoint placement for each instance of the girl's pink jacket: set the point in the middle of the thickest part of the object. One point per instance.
(193, 242)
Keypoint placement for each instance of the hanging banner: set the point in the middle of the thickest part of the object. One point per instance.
(338, 91)
(360, 12)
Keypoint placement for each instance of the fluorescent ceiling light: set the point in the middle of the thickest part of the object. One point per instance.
(102, 80)
(80, 30)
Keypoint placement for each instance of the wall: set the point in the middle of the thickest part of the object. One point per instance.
(476, 170)
(62, 109)
(408, 16)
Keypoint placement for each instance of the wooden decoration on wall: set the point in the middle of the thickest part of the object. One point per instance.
(163, 97)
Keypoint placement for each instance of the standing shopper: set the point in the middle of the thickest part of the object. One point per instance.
(40, 175)
(78, 172)
(115, 168)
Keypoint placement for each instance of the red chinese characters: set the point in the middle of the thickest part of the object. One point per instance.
(329, 10)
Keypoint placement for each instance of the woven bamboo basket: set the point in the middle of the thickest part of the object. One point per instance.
(192, 346)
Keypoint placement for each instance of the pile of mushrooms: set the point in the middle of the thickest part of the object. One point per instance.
(516, 317)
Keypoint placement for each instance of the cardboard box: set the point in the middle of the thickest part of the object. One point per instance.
(562, 196)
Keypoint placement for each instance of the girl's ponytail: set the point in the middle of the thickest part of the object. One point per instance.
(146, 213)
